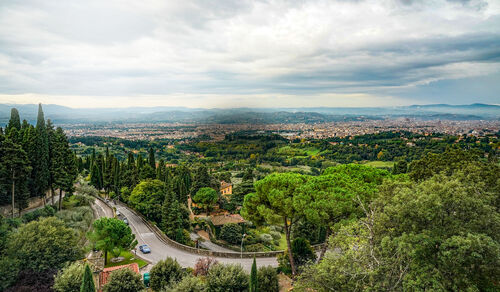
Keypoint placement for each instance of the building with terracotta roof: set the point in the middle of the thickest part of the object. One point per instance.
(104, 275)
(226, 189)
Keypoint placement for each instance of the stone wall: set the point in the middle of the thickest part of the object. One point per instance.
(6, 210)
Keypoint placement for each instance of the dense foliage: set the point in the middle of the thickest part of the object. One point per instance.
(123, 280)
(227, 278)
(70, 278)
(165, 273)
(112, 235)
(438, 233)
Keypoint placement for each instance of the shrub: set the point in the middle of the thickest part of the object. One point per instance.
(29, 280)
(275, 228)
(112, 195)
(125, 194)
(165, 273)
(203, 265)
(268, 279)
(275, 234)
(124, 280)
(227, 278)
(44, 244)
(79, 218)
(46, 211)
(86, 189)
(188, 284)
(302, 254)
(255, 247)
(77, 200)
(302, 251)
(231, 233)
(69, 279)
(9, 269)
(266, 238)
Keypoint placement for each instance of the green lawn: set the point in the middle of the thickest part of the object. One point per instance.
(129, 258)
(380, 164)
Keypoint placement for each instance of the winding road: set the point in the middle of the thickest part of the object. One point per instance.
(161, 250)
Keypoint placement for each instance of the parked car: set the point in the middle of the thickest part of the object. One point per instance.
(144, 248)
(118, 213)
(125, 221)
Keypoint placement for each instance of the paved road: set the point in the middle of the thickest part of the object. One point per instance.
(102, 209)
(160, 250)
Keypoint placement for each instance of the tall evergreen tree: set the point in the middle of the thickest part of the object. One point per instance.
(63, 164)
(95, 176)
(25, 125)
(88, 281)
(107, 172)
(41, 170)
(29, 145)
(161, 171)
(140, 162)
(14, 169)
(131, 176)
(254, 282)
(151, 159)
(201, 179)
(53, 166)
(116, 185)
(15, 121)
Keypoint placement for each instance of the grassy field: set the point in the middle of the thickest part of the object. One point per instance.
(380, 164)
(129, 258)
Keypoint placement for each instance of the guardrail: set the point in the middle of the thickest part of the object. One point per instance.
(165, 239)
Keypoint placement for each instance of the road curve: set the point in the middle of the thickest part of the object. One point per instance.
(161, 250)
(102, 209)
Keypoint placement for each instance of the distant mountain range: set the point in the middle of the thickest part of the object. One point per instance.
(60, 114)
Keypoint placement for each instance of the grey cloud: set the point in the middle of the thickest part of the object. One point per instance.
(223, 47)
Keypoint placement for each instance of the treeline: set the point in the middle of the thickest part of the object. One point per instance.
(158, 192)
(386, 146)
(33, 161)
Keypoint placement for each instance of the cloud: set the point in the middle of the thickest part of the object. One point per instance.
(200, 48)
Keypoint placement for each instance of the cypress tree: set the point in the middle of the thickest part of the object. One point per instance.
(15, 120)
(131, 176)
(41, 169)
(95, 177)
(116, 176)
(167, 203)
(161, 171)
(107, 173)
(63, 164)
(92, 158)
(201, 179)
(29, 146)
(54, 166)
(152, 160)
(25, 125)
(140, 162)
(14, 168)
(87, 281)
(253, 278)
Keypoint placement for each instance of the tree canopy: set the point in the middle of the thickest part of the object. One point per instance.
(112, 235)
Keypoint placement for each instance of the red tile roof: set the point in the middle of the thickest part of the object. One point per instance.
(104, 275)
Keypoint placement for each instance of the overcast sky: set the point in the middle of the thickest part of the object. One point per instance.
(249, 53)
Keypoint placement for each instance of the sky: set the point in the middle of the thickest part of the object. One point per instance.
(218, 53)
